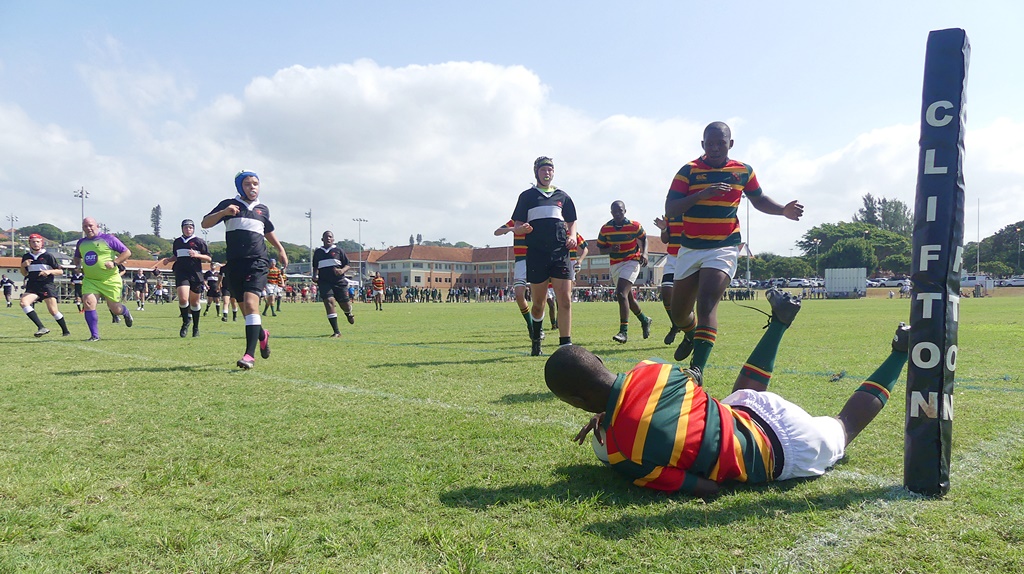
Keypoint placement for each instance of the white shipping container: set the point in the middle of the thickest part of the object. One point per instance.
(845, 282)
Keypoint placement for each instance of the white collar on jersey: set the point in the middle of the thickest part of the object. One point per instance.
(187, 239)
(246, 202)
(546, 193)
(35, 254)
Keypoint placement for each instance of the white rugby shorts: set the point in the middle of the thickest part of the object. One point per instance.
(810, 445)
(628, 270)
(690, 261)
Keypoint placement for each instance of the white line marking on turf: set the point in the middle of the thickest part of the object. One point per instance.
(503, 415)
(822, 551)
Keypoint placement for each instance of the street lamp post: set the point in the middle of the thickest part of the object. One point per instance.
(359, 223)
(82, 193)
(867, 235)
(309, 215)
(12, 219)
(747, 246)
(1018, 250)
(816, 242)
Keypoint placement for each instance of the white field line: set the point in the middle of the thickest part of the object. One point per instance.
(815, 552)
(821, 551)
(373, 393)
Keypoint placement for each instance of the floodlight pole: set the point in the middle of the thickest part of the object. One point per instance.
(359, 224)
(309, 215)
(749, 253)
(82, 193)
(12, 219)
(1018, 250)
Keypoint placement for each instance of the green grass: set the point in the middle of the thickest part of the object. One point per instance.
(424, 440)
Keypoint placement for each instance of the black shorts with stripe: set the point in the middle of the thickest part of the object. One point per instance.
(542, 266)
(189, 277)
(43, 290)
(247, 276)
(337, 290)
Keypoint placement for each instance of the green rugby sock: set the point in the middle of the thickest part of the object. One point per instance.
(884, 379)
(761, 363)
(703, 341)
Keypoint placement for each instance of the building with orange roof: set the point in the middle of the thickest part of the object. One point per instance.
(430, 266)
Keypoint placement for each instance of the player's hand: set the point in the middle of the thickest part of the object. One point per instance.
(523, 229)
(109, 265)
(660, 223)
(570, 242)
(793, 210)
(230, 210)
(593, 425)
(901, 340)
(643, 261)
(715, 190)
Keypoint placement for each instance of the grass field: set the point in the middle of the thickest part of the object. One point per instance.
(424, 440)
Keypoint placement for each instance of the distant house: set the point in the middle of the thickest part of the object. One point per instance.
(430, 266)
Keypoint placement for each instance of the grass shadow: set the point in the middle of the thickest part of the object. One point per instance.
(170, 369)
(520, 398)
(603, 487)
(483, 361)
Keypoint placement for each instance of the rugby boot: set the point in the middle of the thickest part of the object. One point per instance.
(784, 305)
(685, 346)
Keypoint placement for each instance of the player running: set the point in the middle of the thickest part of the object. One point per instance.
(329, 267)
(40, 267)
(248, 225)
(625, 243)
(189, 253)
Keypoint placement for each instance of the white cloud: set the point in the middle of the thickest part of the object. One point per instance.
(440, 150)
(132, 92)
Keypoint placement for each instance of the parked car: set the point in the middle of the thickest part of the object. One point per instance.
(798, 282)
(873, 283)
(969, 281)
(1013, 282)
(895, 282)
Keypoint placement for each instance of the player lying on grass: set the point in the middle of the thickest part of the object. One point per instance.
(659, 428)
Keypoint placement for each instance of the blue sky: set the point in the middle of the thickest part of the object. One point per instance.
(424, 118)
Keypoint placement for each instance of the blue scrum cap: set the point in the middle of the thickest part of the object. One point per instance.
(240, 176)
(187, 222)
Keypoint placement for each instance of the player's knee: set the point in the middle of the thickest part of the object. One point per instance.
(620, 296)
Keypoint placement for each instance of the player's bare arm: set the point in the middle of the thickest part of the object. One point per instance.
(272, 238)
(215, 217)
(570, 235)
(593, 425)
(121, 258)
(662, 224)
(792, 210)
(679, 206)
(522, 227)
